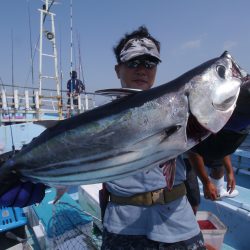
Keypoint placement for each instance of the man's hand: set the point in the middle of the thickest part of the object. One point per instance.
(229, 174)
(230, 182)
(21, 194)
(210, 191)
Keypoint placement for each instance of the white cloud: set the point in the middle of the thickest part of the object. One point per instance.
(229, 45)
(193, 44)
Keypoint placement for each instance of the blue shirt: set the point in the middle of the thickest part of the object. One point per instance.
(169, 223)
(75, 85)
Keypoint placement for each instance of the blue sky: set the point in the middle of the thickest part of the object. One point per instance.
(191, 32)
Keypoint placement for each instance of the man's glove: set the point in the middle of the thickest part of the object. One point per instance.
(21, 194)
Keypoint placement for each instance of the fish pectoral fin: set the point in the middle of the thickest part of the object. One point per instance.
(59, 193)
(170, 131)
(169, 169)
(157, 138)
(117, 92)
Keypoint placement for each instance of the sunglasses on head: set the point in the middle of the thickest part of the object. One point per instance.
(133, 64)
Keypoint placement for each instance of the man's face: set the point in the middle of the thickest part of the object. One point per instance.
(137, 73)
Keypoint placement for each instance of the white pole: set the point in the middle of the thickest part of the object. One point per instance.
(79, 102)
(86, 102)
(41, 51)
(27, 104)
(37, 100)
(16, 102)
(4, 100)
(71, 36)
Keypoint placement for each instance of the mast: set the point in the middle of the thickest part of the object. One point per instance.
(48, 35)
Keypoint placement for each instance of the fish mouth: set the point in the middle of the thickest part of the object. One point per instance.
(225, 104)
(195, 130)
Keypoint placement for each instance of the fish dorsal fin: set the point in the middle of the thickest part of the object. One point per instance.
(119, 92)
(46, 123)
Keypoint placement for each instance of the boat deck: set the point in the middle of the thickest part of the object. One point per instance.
(235, 214)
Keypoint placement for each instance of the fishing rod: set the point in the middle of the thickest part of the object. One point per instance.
(31, 52)
(12, 61)
(80, 69)
(71, 35)
(80, 61)
(72, 48)
(12, 82)
(60, 60)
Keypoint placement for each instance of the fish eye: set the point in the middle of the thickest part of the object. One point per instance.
(221, 70)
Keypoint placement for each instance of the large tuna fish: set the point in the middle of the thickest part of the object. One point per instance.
(135, 132)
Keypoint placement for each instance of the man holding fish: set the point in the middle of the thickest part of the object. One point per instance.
(137, 216)
(131, 144)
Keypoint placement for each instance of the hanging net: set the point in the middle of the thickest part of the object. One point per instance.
(71, 228)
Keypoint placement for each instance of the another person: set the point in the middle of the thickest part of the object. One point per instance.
(132, 218)
(74, 87)
(215, 151)
(192, 185)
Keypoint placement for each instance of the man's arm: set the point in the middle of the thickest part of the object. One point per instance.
(83, 86)
(197, 162)
(80, 86)
(229, 173)
(68, 87)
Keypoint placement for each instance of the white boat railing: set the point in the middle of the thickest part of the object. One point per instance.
(26, 105)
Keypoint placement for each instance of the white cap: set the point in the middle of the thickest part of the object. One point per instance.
(138, 47)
